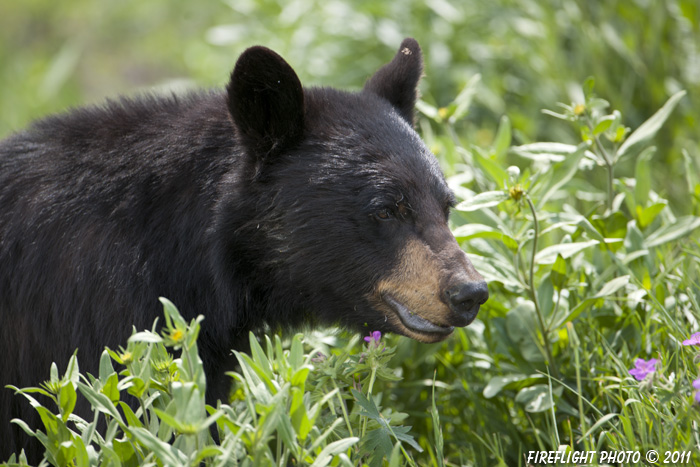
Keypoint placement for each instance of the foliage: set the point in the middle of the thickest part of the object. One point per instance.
(289, 406)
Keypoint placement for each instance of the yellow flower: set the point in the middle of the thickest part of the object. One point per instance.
(579, 109)
(516, 192)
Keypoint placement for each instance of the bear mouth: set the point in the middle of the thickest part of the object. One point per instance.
(414, 322)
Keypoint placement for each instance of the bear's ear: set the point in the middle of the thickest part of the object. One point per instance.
(266, 102)
(397, 81)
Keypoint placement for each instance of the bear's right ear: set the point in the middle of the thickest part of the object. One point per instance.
(266, 102)
(397, 81)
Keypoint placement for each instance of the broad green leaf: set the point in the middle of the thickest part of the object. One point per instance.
(563, 173)
(490, 167)
(612, 286)
(333, 449)
(296, 352)
(147, 337)
(166, 453)
(469, 231)
(566, 250)
(99, 401)
(535, 398)
(428, 110)
(261, 361)
(73, 371)
(299, 416)
(131, 418)
(521, 328)
(559, 272)
(483, 200)
(548, 151)
(648, 129)
(647, 215)
(603, 124)
(396, 456)
(106, 368)
(545, 294)
(497, 383)
(670, 232)
(66, 400)
(111, 388)
(608, 289)
(503, 137)
(642, 176)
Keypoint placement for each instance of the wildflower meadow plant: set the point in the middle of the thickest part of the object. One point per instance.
(694, 339)
(696, 386)
(642, 368)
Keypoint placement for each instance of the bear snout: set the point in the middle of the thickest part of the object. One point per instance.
(465, 299)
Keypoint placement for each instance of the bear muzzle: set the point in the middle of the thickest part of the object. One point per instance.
(465, 299)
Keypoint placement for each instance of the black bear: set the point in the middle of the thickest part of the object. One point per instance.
(267, 205)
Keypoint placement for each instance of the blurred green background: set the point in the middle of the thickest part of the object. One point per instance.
(529, 55)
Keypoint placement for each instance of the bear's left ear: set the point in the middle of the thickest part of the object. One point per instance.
(397, 81)
(266, 102)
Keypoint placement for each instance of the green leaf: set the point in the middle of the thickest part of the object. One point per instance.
(106, 368)
(111, 388)
(520, 326)
(648, 129)
(296, 352)
(512, 381)
(612, 286)
(642, 176)
(166, 453)
(333, 449)
(464, 99)
(146, 336)
(549, 152)
(604, 419)
(545, 294)
(490, 167)
(299, 416)
(603, 125)
(565, 250)
(483, 200)
(535, 398)
(66, 400)
(563, 173)
(73, 371)
(99, 401)
(131, 418)
(670, 232)
(559, 273)
(503, 137)
(647, 215)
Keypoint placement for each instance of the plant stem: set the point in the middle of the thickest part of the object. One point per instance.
(342, 407)
(533, 292)
(369, 395)
(609, 164)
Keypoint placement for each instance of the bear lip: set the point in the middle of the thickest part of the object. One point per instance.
(413, 321)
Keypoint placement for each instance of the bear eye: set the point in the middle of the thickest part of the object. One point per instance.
(384, 214)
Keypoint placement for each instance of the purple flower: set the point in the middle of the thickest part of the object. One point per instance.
(375, 337)
(696, 385)
(642, 368)
(694, 339)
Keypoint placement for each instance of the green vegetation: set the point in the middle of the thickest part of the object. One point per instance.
(583, 218)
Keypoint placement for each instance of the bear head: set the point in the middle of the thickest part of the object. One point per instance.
(337, 212)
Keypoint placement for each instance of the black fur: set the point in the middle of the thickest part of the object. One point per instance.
(255, 207)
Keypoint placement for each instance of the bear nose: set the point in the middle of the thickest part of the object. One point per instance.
(465, 299)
